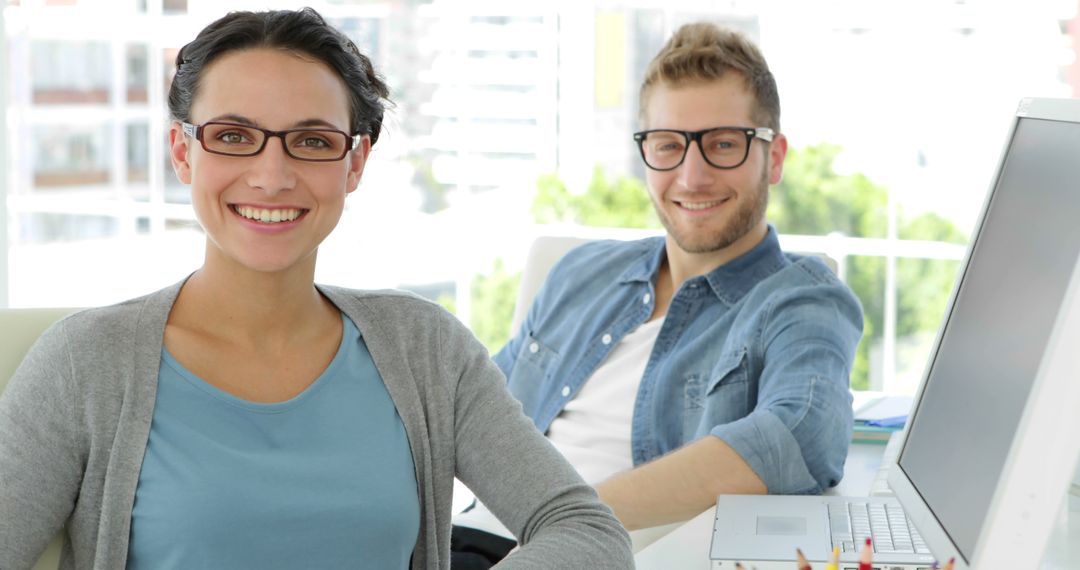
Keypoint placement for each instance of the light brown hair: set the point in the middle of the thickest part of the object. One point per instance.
(703, 52)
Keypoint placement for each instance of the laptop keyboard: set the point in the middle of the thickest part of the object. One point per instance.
(886, 524)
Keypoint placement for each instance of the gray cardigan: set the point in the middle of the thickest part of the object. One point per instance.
(75, 419)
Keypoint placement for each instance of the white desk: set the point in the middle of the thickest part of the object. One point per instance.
(687, 546)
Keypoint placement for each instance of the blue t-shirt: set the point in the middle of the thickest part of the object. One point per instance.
(324, 480)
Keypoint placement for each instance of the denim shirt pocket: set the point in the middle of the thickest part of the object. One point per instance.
(717, 398)
(532, 367)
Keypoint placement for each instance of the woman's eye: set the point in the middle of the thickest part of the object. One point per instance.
(232, 138)
(314, 142)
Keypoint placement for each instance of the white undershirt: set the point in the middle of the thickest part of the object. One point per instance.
(593, 430)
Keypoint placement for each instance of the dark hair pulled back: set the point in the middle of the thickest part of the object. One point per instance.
(303, 31)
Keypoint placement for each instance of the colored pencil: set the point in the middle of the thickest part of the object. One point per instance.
(867, 555)
(834, 560)
(801, 559)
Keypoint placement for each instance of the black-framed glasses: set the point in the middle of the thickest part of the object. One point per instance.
(310, 144)
(722, 147)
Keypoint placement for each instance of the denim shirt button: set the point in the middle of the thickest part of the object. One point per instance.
(534, 348)
(565, 391)
(646, 298)
(606, 339)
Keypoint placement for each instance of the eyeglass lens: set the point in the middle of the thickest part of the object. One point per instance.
(240, 140)
(723, 148)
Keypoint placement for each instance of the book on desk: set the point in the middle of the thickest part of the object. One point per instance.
(872, 434)
(878, 416)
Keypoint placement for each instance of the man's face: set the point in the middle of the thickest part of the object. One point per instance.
(707, 209)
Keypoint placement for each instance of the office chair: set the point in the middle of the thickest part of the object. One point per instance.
(19, 328)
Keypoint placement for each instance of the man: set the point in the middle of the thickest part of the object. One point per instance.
(671, 370)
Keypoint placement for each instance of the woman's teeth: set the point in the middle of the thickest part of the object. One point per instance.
(268, 216)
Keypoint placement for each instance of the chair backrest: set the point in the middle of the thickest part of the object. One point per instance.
(543, 253)
(19, 328)
(548, 249)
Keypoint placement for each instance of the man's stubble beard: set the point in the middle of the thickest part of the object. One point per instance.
(741, 222)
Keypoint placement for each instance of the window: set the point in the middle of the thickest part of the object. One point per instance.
(891, 153)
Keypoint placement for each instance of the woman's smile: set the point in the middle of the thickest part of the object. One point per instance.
(268, 215)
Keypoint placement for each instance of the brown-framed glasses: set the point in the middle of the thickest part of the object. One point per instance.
(235, 139)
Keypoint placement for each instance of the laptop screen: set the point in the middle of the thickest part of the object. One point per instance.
(984, 366)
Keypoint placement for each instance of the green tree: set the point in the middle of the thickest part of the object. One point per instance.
(812, 199)
(622, 203)
(924, 285)
(493, 296)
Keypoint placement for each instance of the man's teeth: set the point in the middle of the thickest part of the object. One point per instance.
(698, 205)
(268, 216)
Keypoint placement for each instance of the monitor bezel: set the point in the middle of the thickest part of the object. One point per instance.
(1033, 484)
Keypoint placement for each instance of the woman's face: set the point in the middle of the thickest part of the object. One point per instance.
(236, 199)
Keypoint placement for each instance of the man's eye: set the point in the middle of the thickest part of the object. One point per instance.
(668, 147)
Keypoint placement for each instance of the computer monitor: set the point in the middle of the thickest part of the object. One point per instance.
(993, 438)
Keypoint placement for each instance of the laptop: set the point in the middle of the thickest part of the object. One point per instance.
(983, 467)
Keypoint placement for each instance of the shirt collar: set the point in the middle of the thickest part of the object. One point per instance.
(646, 266)
(730, 281)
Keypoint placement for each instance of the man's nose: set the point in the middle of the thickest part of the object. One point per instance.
(694, 171)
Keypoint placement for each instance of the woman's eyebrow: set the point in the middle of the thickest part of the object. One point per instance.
(316, 123)
(234, 118)
(242, 120)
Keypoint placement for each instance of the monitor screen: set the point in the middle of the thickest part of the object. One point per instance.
(990, 348)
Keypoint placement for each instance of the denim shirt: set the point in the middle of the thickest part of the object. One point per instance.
(758, 353)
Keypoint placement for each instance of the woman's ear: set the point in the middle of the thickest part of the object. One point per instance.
(357, 160)
(178, 152)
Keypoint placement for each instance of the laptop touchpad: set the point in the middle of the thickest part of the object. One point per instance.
(782, 526)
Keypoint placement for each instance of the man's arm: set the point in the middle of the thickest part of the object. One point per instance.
(794, 441)
(679, 485)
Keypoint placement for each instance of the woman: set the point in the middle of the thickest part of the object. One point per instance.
(247, 418)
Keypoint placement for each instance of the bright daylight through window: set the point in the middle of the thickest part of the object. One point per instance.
(514, 120)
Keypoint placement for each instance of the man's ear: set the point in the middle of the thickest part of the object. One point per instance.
(777, 152)
(178, 153)
(357, 160)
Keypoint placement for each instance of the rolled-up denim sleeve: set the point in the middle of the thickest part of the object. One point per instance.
(796, 438)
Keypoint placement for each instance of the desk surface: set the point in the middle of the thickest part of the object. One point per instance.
(688, 545)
